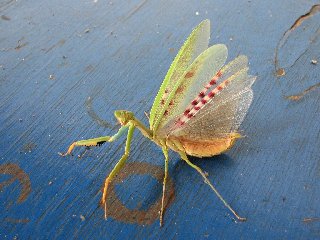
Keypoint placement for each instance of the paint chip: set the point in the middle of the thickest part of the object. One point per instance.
(314, 61)
(4, 17)
(280, 72)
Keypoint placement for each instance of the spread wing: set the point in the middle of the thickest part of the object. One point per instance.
(196, 43)
(193, 82)
(221, 111)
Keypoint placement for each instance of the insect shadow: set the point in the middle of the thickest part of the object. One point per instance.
(210, 165)
(141, 215)
(94, 116)
(213, 163)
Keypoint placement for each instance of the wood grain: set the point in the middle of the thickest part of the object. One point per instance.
(54, 55)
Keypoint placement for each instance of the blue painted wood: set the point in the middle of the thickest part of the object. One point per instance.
(67, 65)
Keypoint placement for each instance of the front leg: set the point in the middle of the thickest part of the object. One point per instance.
(118, 167)
(95, 141)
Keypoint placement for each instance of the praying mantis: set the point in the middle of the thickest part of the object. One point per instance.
(197, 111)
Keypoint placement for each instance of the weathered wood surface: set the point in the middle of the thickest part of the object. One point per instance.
(67, 65)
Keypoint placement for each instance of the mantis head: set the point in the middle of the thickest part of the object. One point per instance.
(123, 116)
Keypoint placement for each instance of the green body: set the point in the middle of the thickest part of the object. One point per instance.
(193, 67)
(128, 124)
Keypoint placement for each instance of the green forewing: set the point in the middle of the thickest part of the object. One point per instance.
(196, 43)
(192, 82)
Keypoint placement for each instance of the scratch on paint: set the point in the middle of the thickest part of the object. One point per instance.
(58, 44)
(134, 10)
(314, 9)
(310, 219)
(301, 95)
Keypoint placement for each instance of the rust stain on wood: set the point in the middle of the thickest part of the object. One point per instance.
(298, 97)
(118, 211)
(17, 174)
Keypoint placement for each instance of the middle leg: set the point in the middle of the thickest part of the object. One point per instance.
(165, 153)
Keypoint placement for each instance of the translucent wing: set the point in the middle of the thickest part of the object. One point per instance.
(230, 82)
(192, 82)
(196, 43)
(218, 121)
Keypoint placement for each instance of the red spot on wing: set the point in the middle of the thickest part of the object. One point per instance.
(186, 111)
(166, 91)
(212, 82)
(201, 94)
(202, 98)
(162, 101)
(211, 94)
(165, 112)
(180, 122)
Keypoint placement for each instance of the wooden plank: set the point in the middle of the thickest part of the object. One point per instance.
(66, 66)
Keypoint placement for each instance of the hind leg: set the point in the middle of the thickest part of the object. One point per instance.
(206, 180)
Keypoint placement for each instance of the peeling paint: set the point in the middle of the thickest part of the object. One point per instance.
(295, 68)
